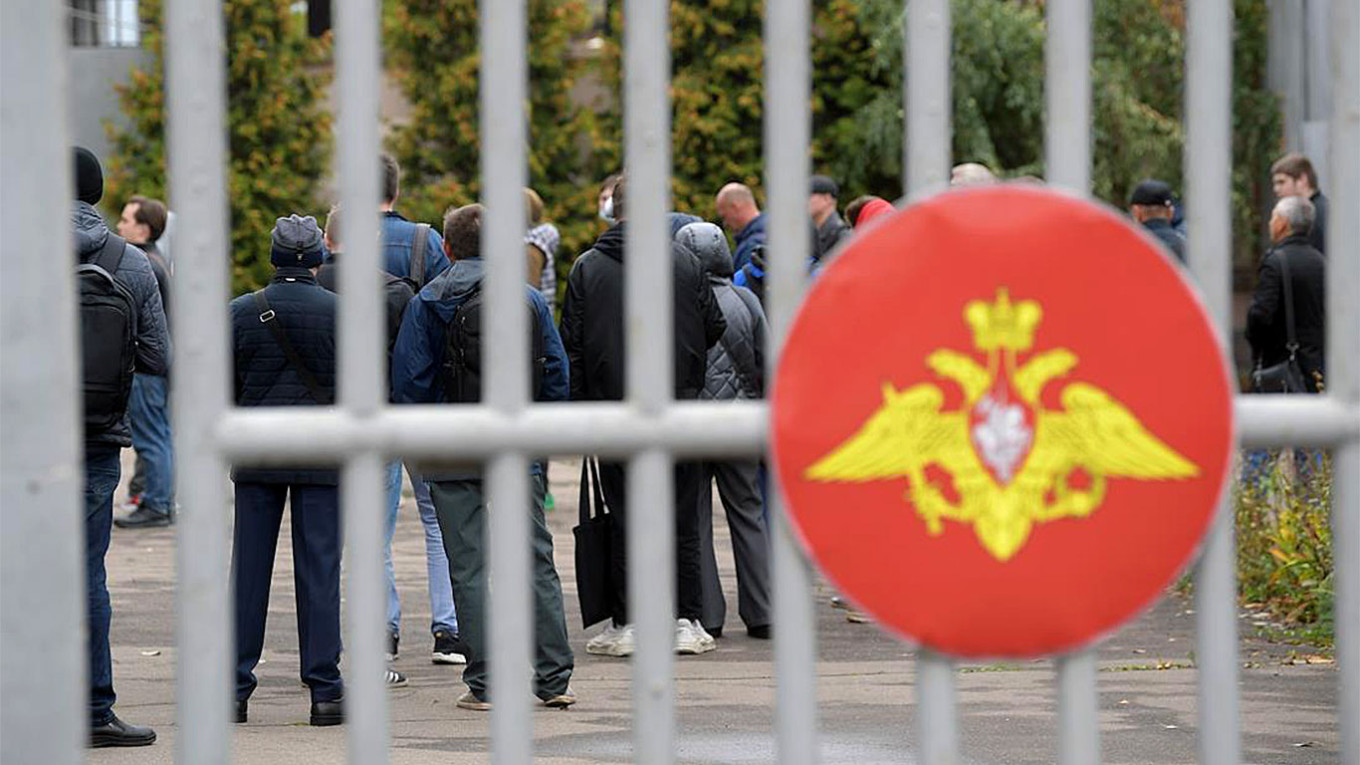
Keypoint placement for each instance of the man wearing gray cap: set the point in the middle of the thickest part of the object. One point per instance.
(830, 229)
(283, 340)
(1151, 204)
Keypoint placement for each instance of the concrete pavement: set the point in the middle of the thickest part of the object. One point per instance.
(725, 699)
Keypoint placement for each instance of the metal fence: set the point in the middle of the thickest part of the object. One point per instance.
(43, 695)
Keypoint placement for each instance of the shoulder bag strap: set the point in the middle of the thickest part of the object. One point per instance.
(110, 256)
(1292, 340)
(270, 319)
(418, 253)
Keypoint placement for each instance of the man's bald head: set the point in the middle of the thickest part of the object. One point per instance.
(736, 206)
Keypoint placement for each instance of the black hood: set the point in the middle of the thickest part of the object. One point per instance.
(610, 242)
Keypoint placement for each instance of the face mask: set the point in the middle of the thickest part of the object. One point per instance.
(607, 211)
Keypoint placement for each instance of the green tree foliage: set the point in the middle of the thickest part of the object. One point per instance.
(279, 136)
(432, 50)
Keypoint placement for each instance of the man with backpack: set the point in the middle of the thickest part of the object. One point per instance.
(153, 484)
(398, 291)
(123, 331)
(283, 341)
(438, 359)
(736, 370)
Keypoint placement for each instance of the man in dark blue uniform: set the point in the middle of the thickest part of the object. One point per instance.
(283, 338)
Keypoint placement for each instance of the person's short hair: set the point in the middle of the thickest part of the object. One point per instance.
(620, 196)
(151, 213)
(333, 224)
(534, 206)
(463, 231)
(391, 177)
(1298, 212)
(1295, 166)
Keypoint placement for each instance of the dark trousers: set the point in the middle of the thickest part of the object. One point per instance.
(461, 510)
(316, 575)
(739, 488)
(688, 580)
(102, 471)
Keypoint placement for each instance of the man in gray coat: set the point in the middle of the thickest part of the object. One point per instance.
(736, 370)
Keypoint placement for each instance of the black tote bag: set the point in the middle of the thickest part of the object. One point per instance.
(594, 549)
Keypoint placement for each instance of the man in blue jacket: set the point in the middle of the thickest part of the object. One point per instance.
(437, 359)
(102, 445)
(283, 341)
(736, 206)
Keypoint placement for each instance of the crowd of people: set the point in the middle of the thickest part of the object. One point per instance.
(284, 352)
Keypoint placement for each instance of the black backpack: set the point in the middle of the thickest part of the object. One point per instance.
(108, 334)
(463, 353)
(398, 290)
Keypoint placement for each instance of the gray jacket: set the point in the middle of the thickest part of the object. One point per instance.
(153, 341)
(736, 365)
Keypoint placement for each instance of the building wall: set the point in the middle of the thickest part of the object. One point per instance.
(92, 75)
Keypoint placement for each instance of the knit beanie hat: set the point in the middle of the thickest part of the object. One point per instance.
(296, 241)
(89, 176)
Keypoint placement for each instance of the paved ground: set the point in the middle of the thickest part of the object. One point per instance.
(725, 699)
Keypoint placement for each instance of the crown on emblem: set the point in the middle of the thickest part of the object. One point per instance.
(1003, 324)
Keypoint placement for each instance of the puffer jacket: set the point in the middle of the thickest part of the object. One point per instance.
(306, 312)
(592, 321)
(736, 365)
(134, 271)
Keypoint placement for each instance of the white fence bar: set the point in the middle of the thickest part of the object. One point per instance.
(788, 126)
(1067, 152)
(927, 156)
(650, 384)
(359, 367)
(1208, 161)
(504, 73)
(1343, 358)
(927, 151)
(44, 707)
(196, 161)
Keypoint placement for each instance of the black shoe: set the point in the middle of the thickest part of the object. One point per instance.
(242, 710)
(392, 640)
(448, 649)
(145, 518)
(759, 632)
(328, 712)
(115, 732)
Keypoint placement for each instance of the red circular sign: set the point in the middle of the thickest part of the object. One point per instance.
(1002, 421)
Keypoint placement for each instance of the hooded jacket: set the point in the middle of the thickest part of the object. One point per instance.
(593, 327)
(134, 271)
(736, 364)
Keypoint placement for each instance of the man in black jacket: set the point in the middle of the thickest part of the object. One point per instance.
(1293, 176)
(1152, 204)
(283, 340)
(593, 333)
(102, 447)
(1267, 330)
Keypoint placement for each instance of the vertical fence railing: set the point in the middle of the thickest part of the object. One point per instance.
(1067, 159)
(1208, 178)
(788, 128)
(1343, 358)
(42, 602)
(504, 75)
(647, 288)
(196, 161)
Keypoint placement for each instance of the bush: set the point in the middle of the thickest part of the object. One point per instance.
(1284, 540)
(279, 136)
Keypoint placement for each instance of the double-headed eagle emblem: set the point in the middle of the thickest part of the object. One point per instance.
(1002, 462)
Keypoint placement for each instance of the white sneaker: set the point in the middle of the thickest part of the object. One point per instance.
(691, 638)
(614, 641)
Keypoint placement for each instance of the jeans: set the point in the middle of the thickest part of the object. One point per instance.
(462, 517)
(149, 415)
(102, 471)
(442, 614)
(316, 576)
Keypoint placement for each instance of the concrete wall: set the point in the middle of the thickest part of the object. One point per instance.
(92, 75)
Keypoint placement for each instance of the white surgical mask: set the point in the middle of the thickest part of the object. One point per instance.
(607, 211)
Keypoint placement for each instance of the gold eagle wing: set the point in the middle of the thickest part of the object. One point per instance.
(904, 435)
(1100, 434)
